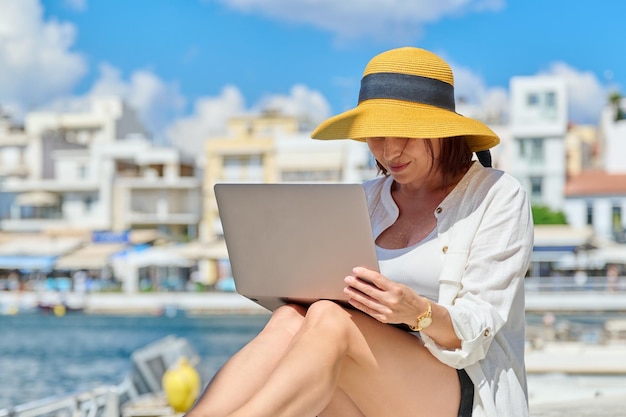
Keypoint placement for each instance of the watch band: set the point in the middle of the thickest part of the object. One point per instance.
(423, 320)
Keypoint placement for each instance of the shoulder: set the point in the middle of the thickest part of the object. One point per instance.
(374, 184)
(374, 188)
(484, 181)
(484, 189)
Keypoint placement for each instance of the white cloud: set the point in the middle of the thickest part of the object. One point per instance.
(586, 94)
(468, 85)
(36, 63)
(211, 114)
(209, 118)
(377, 19)
(483, 102)
(156, 102)
(308, 106)
(76, 5)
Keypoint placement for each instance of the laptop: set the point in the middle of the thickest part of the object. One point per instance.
(294, 243)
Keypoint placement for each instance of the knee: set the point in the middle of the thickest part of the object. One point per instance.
(288, 317)
(329, 318)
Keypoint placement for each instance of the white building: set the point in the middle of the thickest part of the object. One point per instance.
(95, 177)
(597, 197)
(13, 145)
(538, 127)
(98, 171)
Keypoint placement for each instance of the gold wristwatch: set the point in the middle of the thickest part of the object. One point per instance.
(423, 320)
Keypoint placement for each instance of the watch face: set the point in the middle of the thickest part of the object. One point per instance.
(425, 322)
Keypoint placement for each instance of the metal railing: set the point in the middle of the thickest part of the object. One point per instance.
(99, 402)
(568, 284)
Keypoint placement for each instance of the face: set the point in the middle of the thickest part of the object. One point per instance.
(407, 160)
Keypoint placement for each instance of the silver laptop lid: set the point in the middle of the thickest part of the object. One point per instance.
(295, 242)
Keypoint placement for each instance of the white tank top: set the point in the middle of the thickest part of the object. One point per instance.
(417, 266)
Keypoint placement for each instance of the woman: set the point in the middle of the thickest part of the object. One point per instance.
(440, 330)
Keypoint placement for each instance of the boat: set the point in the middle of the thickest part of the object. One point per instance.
(60, 303)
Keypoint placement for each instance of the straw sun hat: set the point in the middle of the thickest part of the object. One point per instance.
(407, 92)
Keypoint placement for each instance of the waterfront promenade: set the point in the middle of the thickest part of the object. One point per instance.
(140, 303)
(229, 302)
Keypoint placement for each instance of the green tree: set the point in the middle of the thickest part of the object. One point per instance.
(615, 98)
(545, 215)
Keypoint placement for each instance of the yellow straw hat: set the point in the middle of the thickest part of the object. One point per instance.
(407, 92)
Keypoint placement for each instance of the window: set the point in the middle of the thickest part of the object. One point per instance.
(589, 213)
(532, 99)
(522, 148)
(536, 150)
(617, 216)
(549, 107)
(536, 186)
(551, 100)
(616, 219)
(88, 201)
(243, 167)
(531, 149)
(311, 176)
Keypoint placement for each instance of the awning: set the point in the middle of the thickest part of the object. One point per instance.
(37, 199)
(91, 256)
(582, 260)
(611, 254)
(141, 236)
(562, 236)
(39, 245)
(27, 263)
(204, 250)
(549, 256)
(157, 256)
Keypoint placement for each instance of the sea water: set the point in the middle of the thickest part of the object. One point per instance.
(42, 355)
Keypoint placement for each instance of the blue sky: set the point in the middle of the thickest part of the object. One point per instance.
(188, 65)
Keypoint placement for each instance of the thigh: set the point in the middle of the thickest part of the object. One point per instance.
(390, 372)
(341, 406)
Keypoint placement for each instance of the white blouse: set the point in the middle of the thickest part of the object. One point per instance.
(485, 238)
(399, 265)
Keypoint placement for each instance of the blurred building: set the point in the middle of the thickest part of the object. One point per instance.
(93, 176)
(77, 190)
(273, 148)
(582, 149)
(95, 171)
(538, 127)
(596, 194)
(14, 143)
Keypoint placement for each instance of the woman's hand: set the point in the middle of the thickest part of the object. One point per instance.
(390, 302)
(381, 298)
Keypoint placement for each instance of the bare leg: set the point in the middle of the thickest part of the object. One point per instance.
(249, 368)
(341, 406)
(375, 365)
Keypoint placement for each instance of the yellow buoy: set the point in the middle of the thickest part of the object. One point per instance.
(59, 310)
(181, 383)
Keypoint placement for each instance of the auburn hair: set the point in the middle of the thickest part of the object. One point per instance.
(455, 157)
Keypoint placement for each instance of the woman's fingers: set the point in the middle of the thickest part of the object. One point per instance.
(374, 294)
(373, 277)
(367, 297)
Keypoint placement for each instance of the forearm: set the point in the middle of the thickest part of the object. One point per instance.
(441, 330)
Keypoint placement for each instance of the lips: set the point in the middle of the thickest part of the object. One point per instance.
(397, 167)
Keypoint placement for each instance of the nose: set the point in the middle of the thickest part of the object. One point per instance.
(393, 148)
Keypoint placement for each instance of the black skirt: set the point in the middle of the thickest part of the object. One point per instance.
(467, 394)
